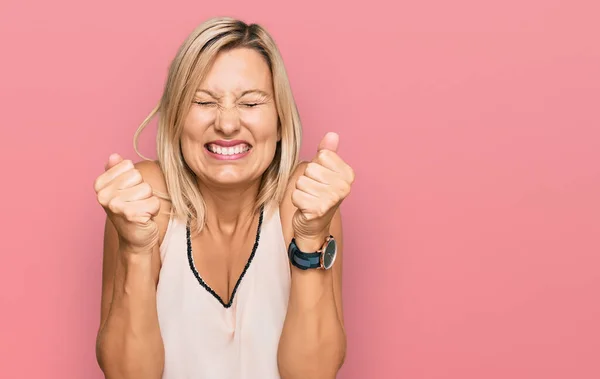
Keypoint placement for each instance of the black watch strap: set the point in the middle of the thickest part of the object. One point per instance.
(302, 260)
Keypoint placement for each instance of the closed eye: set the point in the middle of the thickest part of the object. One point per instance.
(205, 103)
(250, 105)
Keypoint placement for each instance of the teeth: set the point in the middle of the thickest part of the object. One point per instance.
(228, 150)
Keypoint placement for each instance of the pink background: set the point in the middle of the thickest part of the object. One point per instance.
(472, 233)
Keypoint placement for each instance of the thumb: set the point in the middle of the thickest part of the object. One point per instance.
(113, 160)
(330, 142)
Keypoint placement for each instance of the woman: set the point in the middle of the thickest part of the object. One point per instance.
(223, 258)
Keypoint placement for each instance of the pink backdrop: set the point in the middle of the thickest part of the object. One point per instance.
(472, 234)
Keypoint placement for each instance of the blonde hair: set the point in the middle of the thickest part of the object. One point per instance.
(186, 71)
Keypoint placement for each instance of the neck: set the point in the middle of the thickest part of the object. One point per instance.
(227, 209)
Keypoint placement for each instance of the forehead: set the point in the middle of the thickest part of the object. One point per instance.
(238, 70)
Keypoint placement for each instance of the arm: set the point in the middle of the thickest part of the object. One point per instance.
(129, 343)
(313, 341)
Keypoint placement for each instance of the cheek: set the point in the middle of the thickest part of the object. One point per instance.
(195, 124)
(191, 136)
(263, 125)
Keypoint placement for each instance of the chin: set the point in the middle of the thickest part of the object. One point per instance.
(230, 177)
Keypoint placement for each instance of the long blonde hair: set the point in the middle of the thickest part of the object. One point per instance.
(186, 71)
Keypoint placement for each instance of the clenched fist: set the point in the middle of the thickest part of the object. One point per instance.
(129, 204)
(326, 182)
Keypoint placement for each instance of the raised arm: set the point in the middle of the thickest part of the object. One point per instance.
(129, 343)
(313, 340)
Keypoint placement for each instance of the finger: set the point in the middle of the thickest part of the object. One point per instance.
(138, 192)
(334, 162)
(111, 173)
(328, 195)
(311, 186)
(330, 160)
(139, 211)
(112, 161)
(329, 142)
(319, 173)
(151, 205)
(127, 179)
(303, 200)
(309, 205)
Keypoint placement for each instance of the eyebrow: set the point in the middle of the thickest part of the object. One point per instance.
(257, 91)
(246, 92)
(208, 92)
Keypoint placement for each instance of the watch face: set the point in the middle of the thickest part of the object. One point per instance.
(329, 254)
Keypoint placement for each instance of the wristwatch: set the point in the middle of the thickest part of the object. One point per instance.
(322, 259)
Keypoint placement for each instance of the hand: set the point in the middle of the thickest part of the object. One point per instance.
(319, 192)
(129, 204)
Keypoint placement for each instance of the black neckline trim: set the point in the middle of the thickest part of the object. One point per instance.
(237, 284)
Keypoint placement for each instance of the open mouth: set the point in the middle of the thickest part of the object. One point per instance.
(226, 151)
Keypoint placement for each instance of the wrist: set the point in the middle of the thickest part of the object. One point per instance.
(315, 252)
(310, 244)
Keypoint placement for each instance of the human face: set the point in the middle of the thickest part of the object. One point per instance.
(231, 131)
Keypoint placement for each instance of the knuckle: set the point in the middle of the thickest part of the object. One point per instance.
(346, 187)
(323, 154)
(103, 197)
(311, 168)
(129, 213)
(314, 166)
(98, 184)
(301, 181)
(114, 205)
(136, 175)
(322, 209)
(146, 189)
(155, 204)
(336, 197)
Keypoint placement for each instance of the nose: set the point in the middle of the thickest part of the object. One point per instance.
(228, 120)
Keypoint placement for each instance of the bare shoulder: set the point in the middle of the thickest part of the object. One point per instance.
(153, 175)
(287, 208)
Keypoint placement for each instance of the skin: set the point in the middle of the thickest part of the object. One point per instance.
(129, 344)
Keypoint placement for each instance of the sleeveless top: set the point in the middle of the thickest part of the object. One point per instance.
(207, 339)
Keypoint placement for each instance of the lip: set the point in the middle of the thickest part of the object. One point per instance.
(226, 157)
(228, 143)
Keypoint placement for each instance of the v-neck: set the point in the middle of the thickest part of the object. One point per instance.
(237, 284)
